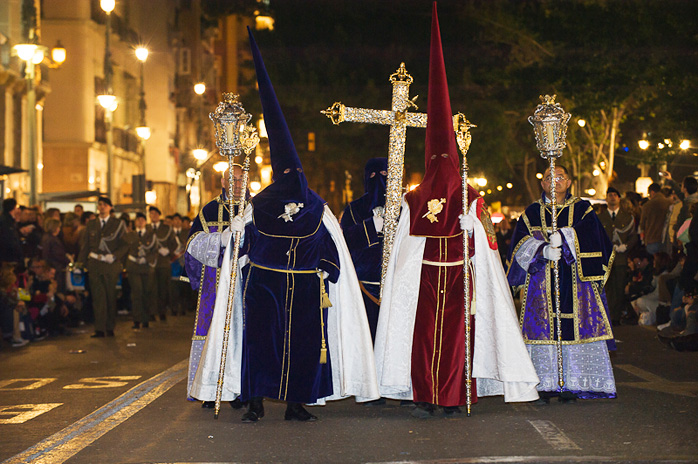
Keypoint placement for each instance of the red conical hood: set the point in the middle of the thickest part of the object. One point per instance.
(442, 185)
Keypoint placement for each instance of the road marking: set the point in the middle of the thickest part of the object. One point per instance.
(20, 413)
(554, 436)
(513, 459)
(32, 385)
(61, 446)
(102, 382)
(656, 383)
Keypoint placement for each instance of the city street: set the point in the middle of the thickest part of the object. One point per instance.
(122, 400)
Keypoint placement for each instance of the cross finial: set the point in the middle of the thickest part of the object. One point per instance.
(401, 75)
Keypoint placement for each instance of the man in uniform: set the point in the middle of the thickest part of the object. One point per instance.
(362, 225)
(298, 344)
(165, 245)
(178, 289)
(619, 225)
(420, 341)
(102, 250)
(139, 266)
(584, 254)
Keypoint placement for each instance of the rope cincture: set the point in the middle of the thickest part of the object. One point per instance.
(324, 303)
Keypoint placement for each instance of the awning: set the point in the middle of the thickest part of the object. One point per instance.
(69, 195)
(4, 170)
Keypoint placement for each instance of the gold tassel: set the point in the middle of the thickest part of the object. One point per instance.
(324, 303)
(324, 297)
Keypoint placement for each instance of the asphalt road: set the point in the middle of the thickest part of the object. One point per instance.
(122, 400)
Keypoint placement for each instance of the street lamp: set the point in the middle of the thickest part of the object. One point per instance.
(220, 166)
(685, 144)
(643, 144)
(108, 100)
(199, 88)
(200, 154)
(58, 54)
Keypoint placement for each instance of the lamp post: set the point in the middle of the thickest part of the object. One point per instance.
(31, 54)
(143, 131)
(200, 89)
(108, 100)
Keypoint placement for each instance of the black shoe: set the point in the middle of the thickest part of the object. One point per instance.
(136, 325)
(406, 403)
(97, 334)
(255, 410)
(423, 411)
(110, 333)
(145, 325)
(544, 397)
(567, 397)
(378, 402)
(208, 404)
(163, 317)
(237, 404)
(451, 411)
(296, 411)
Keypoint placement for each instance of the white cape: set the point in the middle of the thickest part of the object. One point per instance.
(348, 334)
(501, 363)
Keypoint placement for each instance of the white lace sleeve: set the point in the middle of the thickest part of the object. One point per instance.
(206, 248)
(570, 237)
(527, 252)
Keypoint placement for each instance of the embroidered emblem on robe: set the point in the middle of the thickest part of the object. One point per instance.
(489, 227)
(434, 206)
(290, 210)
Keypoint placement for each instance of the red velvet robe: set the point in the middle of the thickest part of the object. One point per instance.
(438, 349)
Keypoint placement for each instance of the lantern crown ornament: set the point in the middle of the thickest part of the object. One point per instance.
(549, 122)
(233, 133)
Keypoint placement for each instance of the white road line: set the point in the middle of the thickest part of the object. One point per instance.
(554, 436)
(515, 460)
(61, 446)
(657, 383)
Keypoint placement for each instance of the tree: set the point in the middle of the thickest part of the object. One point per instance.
(625, 67)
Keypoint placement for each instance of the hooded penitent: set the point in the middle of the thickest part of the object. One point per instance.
(437, 202)
(374, 187)
(375, 177)
(287, 207)
(420, 337)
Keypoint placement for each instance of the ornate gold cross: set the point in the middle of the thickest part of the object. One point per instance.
(399, 119)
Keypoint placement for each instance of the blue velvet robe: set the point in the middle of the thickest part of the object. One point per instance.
(284, 323)
(366, 248)
(582, 300)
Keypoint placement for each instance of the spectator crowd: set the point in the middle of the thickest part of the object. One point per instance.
(45, 283)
